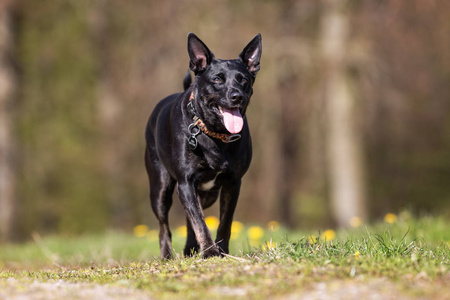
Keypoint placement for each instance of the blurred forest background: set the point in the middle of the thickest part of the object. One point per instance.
(350, 115)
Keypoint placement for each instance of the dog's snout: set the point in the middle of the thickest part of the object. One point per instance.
(236, 97)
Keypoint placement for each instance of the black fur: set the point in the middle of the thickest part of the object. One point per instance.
(169, 160)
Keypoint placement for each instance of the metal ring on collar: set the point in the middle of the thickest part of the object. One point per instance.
(233, 138)
(192, 130)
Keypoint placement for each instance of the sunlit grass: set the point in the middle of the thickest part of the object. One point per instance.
(142, 243)
(266, 260)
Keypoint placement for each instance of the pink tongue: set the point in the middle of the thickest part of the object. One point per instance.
(232, 119)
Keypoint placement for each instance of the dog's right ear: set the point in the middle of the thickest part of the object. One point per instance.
(200, 56)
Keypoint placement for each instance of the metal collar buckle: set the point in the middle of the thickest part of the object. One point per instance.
(194, 130)
(192, 110)
(233, 138)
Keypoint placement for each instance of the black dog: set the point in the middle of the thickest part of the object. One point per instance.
(200, 140)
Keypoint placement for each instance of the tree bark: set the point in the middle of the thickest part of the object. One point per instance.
(345, 163)
(7, 91)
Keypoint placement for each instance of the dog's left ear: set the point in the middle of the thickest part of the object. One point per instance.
(251, 55)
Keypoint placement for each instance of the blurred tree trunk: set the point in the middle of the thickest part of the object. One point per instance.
(288, 158)
(347, 187)
(110, 107)
(7, 89)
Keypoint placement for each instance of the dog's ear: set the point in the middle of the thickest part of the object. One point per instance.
(200, 56)
(251, 55)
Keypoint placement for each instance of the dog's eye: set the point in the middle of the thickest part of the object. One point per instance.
(217, 79)
(241, 79)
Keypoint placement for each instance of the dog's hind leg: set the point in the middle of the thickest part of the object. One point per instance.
(161, 190)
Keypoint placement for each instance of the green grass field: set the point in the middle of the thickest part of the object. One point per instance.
(409, 258)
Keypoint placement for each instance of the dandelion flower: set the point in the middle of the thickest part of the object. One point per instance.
(236, 229)
(255, 233)
(181, 231)
(273, 226)
(312, 239)
(267, 246)
(140, 230)
(390, 218)
(212, 222)
(355, 222)
(329, 235)
(357, 254)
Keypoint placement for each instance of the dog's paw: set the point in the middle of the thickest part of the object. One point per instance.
(211, 252)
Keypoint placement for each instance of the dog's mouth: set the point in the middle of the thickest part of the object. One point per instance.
(231, 118)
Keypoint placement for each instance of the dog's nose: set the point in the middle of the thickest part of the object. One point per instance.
(236, 97)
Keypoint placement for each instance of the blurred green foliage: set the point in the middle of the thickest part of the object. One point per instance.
(61, 188)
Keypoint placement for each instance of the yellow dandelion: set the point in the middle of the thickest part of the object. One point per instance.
(357, 254)
(312, 239)
(212, 222)
(267, 246)
(181, 231)
(273, 226)
(153, 235)
(140, 230)
(390, 218)
(355, 222)
(236, 229)
(329, 235)
(255, 233)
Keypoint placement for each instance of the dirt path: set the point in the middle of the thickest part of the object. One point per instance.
(13, 289)
(333, 290)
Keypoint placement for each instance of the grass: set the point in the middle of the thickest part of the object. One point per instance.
(410, 258)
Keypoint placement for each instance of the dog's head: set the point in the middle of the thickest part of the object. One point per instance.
(223, 87)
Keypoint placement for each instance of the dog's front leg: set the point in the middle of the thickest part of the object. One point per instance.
(228, 200)
(194, 213)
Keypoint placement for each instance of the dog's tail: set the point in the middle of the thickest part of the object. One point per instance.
(187, 80)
